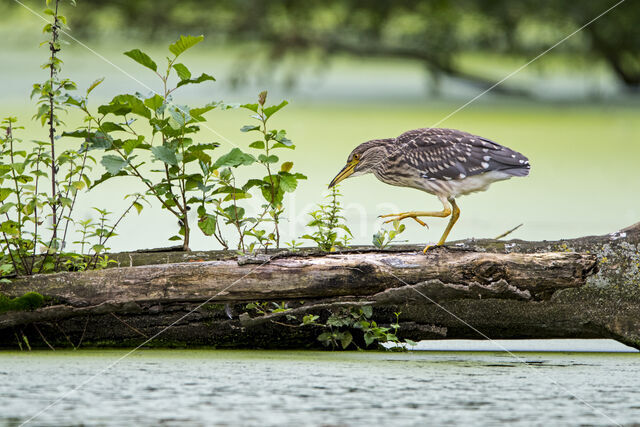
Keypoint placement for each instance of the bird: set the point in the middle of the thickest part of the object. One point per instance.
(447, 163)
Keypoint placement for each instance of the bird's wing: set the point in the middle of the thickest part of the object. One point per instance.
(452, 154)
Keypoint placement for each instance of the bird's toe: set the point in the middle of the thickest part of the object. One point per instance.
(429, 248)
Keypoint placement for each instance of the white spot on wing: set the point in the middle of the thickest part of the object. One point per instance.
(486, 158)
(485, 165)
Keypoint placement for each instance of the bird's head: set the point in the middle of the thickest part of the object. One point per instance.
(363, 159)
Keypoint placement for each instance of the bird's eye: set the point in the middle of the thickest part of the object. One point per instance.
(356, 157)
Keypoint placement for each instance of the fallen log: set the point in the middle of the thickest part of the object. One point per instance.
(580, 288)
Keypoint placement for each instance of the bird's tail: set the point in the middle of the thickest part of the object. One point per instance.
(519, 171)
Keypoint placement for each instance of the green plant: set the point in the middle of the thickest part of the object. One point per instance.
(266, 307)
(293, 245)
(37, 218)
(228, 192)
(328, 221)
(384, 237)
(185, 166)
(340, 323)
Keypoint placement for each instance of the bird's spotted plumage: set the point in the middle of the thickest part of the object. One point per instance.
(441, 161)
(445, 162)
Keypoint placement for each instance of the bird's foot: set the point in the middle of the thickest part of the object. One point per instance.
(401, 216)
(429, 248)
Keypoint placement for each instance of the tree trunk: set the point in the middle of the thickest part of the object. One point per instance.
(581, 288)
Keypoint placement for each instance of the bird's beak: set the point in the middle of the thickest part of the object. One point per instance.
(344, 173)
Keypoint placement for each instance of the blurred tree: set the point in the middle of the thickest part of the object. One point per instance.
(434, 32)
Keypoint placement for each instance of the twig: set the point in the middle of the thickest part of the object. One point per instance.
(506, 233)
(83, 332)
(52, 130)
(285, 324)
(129, 326)
(19, 342)
(66, 336)
(43, 338)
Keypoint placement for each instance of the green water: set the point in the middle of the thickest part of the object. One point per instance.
(164, 387)
(584, 156)
(584, 177)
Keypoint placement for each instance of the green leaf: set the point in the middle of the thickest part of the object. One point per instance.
(249, 128)
(4, 193)
(165, 154)
(175, 238)
(115, 109)
(110, 127)
(130, 144)
(142, 58)
(180, 114)
(184, 43)
(252, 107)
(77, 101)
(198, 112)
(10, 227)
(94, 85)
(288, 182)
(234, 158)
(324, 337)
(237, 196)
(6, 207)
(252, 183)
(270, 159)
(369, 338)
(138, 207)
(112, 163)
(282, 139)
(269, 111)
(99, 140)
(121, 105)
(183, 71)
(233, 213)
(207, 224)
(346, 339)
(257, 144)
(202, 78)
(286, 166)
(367, 310)
(155, 102)
(80, 133)
(106, 176)
(197, 154)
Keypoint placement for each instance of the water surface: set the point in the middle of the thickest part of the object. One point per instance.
(165, 387)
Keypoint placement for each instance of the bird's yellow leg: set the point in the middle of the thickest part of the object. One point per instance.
(454, 217)
(445, 212)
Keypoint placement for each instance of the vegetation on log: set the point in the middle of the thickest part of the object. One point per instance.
(581, 288)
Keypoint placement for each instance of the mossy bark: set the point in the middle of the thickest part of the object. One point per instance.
(580, 288)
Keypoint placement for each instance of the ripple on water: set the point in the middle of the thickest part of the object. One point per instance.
(294, 388)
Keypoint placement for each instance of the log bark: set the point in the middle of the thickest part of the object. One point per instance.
(579, 288)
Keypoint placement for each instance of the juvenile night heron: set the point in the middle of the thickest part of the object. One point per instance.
(445, 162)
